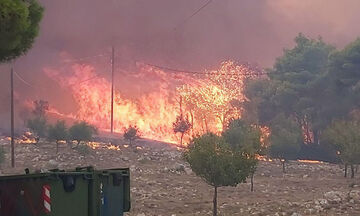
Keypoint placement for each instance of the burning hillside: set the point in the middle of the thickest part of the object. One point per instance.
(207, 99)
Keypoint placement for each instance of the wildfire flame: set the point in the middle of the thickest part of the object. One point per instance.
(208, 100)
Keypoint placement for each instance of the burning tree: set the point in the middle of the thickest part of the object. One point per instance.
(57, 133)
(131, 133)
(37, 126)
(181, 125)
(211, 158)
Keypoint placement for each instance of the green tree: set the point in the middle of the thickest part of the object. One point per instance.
(19, 26)
(57, 132)
(38, 126)
(245, 138)
(211, 158)
(131, 133)
(285, 139)
(82, 131)
(344, 138)
(181, 125)
(297, 86)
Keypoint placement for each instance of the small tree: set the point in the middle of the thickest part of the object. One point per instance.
(211, 158)
(181, 125)
(344, 137)
(131, 133)
(285, 139)
(82, 131)
(38, 127)
(57, 133)
(245, 138)
(40, 108)
(2, 155)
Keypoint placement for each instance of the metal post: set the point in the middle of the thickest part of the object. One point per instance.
(12, 118)
(112, 88)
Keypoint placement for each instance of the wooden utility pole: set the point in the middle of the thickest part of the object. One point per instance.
(112, 88)
(12, 117)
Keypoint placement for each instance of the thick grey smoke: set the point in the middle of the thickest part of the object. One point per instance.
(154, 31)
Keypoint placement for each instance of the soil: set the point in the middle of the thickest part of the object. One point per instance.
(162, 184)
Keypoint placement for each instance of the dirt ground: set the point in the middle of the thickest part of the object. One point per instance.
(162, 184)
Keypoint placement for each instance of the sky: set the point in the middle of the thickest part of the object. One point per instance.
(159, 32)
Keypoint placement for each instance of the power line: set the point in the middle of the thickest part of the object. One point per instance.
(194, 14)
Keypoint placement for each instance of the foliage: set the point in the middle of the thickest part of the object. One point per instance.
(131, 133)
(57, 133)
(344, 137)
(82, 131)
(40, 108)
(181, 125)
(285, 138)
(38, 126)
(19, 25)
(296, 87)
(2, 155)
(211, 158)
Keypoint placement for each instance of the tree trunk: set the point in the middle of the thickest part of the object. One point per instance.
(316, 136)
(78, 143)
(345, 170)
(181, 139)
(252, 182)
(215, 202)
(283, 165)
(352, 171)
(57, 147)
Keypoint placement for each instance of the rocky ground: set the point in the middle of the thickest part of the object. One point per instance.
(162, 184)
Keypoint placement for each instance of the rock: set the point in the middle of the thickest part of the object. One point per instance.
(321, 204)
(295, 214)
(355, 195)
(141, 214)
(188, 171)
(334, 197)
(53, 163)
(179, 167)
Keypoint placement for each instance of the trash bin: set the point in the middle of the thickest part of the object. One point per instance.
(55, 193)
(109, 191)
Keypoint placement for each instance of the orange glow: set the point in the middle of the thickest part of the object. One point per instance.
(207, 100)
(310, 161)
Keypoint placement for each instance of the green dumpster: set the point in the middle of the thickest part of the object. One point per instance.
(55, 193)
(109, 191)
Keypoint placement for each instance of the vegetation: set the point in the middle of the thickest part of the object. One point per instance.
(83, 149)
(181, 125)
(245, 138)
(131, 134)
(344, 138)
(19, 25)
(211, 158)
(2, 155)
(38, 126)
(82, 131)
(57, 132)
(285, 139)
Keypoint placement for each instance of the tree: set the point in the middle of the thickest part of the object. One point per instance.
(37, 126)
(211, 158)
(297, 86)
(19, 25)
(344, 138)
(82, 131)
(2, 155)
(40, 108)
(131, 133)
(57, 132)
(245, 138)
(181, 125)
(285, 139)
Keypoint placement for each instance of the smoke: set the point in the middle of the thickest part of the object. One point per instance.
(154, 31)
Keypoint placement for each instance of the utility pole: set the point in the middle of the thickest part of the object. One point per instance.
(112, 88)
(12, 117)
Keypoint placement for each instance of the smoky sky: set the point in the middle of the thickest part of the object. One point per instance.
(154, 31)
